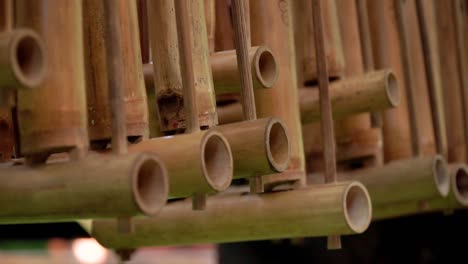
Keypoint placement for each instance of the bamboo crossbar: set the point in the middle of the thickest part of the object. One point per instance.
(342, 208)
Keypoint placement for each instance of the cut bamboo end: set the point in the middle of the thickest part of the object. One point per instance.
(460, 184)
(150, 184)
(391, 89)
(259, 146)
(357, 207)
(441, 175)
(266, 67)
(23, 60)
(277, 147)
(216, 153)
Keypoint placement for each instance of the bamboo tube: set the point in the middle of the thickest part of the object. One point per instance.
(167, 74)
(259, 147)
(52, 118)
(143, 29)
(413, 179)
(23, 59)
(387, 54)
(453, 96)
(224, 34)
(456, 199)
(271, 25)
(210, 18)
(371, 92)
(93, 187)
(304, 40)
(7, 16)
(98, 77)
(199, 162)
(342, 208)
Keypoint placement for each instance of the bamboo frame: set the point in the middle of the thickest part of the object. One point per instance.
(372, 92)
(167, 74)
(137, 183)
(59, 124)
(259, 147)
(197, 163)
(98, 76)
(343, 208)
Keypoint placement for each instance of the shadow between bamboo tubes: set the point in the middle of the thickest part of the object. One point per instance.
(99, 185)
(342, 208)
(456, 199)
(197, 163)
(372, 92)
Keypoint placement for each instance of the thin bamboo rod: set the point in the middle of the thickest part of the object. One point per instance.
(413, 179)
(210, 18)
(226, 75)
(7, 15)
(374, 91)
(93, 187)
(320, 210)
(60, 124)
(23, 61)
(224, 35)
(197, 163)
(98, 78)
(456, 199)
(259, 147)
(143, 29)
(426, 21)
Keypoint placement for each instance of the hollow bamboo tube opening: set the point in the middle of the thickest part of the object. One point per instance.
(197, 163)
(460, 185)
(441, 175)
(392, 90)
(259, 147)
(319, 210)
(24, 58)
(62, 191)
(265, 65)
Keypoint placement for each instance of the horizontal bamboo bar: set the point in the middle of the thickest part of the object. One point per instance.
(93, 187)
(457, 199)
(23, 60)
(371, 92)
(413, 179)
(342, 208)
(259, 147)
(225, 72)
(199, 162)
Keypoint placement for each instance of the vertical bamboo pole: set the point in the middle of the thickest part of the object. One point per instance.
(210, 18)
(426, 22)
(224, 33)
(98, 78)
(143, 29)
(52, 118)
(450, 76)
(271, 25)
(387, 54)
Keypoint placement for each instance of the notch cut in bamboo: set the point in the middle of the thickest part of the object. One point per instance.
(197, 163)
(342, 208)
(372, 92)
(23, 60)
(259, 147)
(98, 75)
(96, 186)
(53, 118)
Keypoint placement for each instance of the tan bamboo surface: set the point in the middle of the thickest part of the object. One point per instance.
(405, 180)
(23, 60)
(373, 91)
(210, 19)
(7, 12)
(426, 21)
(93, 187)
(304, 40)
(52, 118)
(421, 102)
(457, 199)
(271, 25)
(98, 78)
(167, 76)
(199, 162)
(450, 75)
(224, 34)
(225, 74)
(387, 54)
(143, 29)
(342, 208)
(259, 147)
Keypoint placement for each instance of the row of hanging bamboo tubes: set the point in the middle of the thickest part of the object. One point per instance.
(380, 57)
